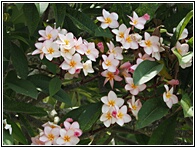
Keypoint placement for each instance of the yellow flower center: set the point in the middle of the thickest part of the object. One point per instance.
(134, 107)
(110, 75)
(49, 36)
(133, 86)
(121, 35)
(180, 51)
(88, 51)
(50, 137)
(66, 138)
(120, 115)
(135, 22)
(168, 95)
(128, 39)
(50, 50)
(108, 63)
(108, 20)
(108, 116)
(66, 42)
(72, 63)
(52, 126)
(111, 102)
(66, 50)
(148, 43)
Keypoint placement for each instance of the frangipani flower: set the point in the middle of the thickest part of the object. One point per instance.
(87, 67)
(7, 126)
(168, 97)
(151, 44)
(39, 50)
(109, 63)
(181, 48)
(125, 69)
(109, 117)
(134, 89)
(48, 34)
(74, 126)
(183, 35)
(79, 46)
(35, 141)
(108, 19)
(111, 101)
(67, 138)
(73, 64)
(115, 51)
(51, 50)
(90, 51)
(122, 116)
(67, 53)
(50, 135)
(135, 106)
(66, 40)
(50, 124)
(110, 76)
(120, 33)
(136, 21)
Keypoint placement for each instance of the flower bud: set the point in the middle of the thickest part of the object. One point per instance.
(100, 46)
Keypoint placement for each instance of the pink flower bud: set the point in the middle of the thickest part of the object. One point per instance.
(173, 82)
(125, 65)
(114, 113)
(69, 120)
(100, 47)
(116, 72)
(78, 71)
(146, 17)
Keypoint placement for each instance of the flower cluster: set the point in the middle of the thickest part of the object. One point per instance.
(56, 135)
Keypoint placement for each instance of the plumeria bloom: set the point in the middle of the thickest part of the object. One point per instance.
(115, 51)
(87, 67)
(7, 126)
(120, 33)
(129, 41)
(90, 51)
(122, 116)
(168, 97)
(137, 22)
(146, 16)
(109, 117)
(66, 40)
(111, 101)
(73, 64)
(183, 35)
(74, 126)
(48, 34)
(100, 47)
(51, 50)
(181, 48)
(125, 69)
(66, 53)
(108, 19)
(109, 63)
(79, 46)
(50, 124)
(110, 76)
(50, 135)
(39, 50)
(134, 89)
(67, 138)
(35, 141)
(173, 82)
(150, 44)
(62, 31)
(135, 106)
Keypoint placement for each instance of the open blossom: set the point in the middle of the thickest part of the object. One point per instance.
(169, 98)
(90, 51)
(181, 48)
(48, 34)
(67, 138)
(111, 101)
(125, 68)
(50, 135)
(109, 117)
(110, 76)
(87, 67)
(66, 40)
(122, 116)
(120, 33)
(66, 53)
(135, 106)
(115, 51)
(109, 63)
(51, 124)
(39, 50)
(134, 89)
(79, 46)
(51, 50)
(73, 126)
(108, 19)
(73, 64)
(136, 21)
(150, 44)
(7, 126)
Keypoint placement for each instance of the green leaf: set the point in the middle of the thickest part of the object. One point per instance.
(190, 42)
(7, 138)
(186, 105)
(41, 7)
(17, 133)
(180, 28)
(59, 12)
(142, 139)
(54, 86)
(164, 133)
(151, 111)
(17, 14)
(21, 86)
(19, 61)
(31, 16)
(42, 82)
(99, 32)
(24, 108)
(82, 21)
(145, 71)
(20, 38)
(86, 115)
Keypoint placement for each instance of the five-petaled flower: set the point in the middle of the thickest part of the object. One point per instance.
(109, 63)
(168, 97)
(48, 34)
